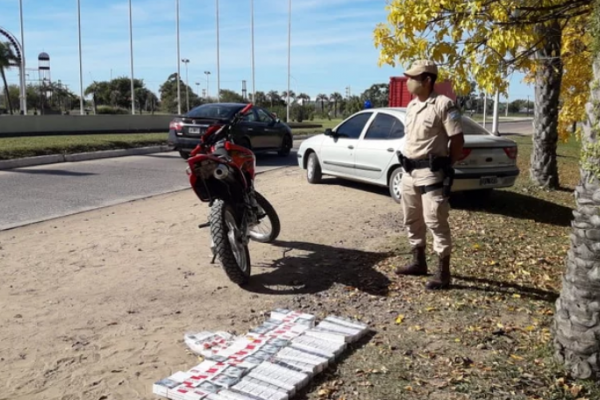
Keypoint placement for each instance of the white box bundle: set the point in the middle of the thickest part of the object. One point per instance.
(294, 317)
(206, 343)
(336, 328)
(271, 362)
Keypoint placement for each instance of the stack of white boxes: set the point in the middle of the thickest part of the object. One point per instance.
(271, 362)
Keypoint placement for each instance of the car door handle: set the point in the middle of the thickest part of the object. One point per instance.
(390, 150)
(250, 129)
(351, 147)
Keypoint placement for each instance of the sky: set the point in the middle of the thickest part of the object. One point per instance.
(331, 43)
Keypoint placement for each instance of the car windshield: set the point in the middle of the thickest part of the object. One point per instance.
(217, 111)
(471, 127)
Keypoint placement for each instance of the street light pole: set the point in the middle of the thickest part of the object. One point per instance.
(187, 85)
(23, 78)
(131, 57)
(496, 116)
(207, 73)
(218, 60)
(289, 58)
(178, 64)
(252, 28)
(81, 105)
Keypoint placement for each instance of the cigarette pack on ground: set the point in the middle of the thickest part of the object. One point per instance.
(352, 323)
(308, 369)
(350, 334)
(295, 317)
(278, 329)
(259, 389)
(319, 363)
(162, 387)
(331, 349)
(277, 375)
(206, 343)
(231, 394)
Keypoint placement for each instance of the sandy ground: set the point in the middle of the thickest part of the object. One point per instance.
(94, 306)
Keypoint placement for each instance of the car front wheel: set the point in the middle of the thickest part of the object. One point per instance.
(313, 169)
(286, 146)
(395, 185)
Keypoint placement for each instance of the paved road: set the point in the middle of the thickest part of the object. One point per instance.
(35, 194)
(40, 193)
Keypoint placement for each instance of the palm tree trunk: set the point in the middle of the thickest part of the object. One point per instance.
(6, 92)
(577, 318)
(544, 169)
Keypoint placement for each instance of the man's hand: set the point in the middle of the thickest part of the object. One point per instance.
(456, 147)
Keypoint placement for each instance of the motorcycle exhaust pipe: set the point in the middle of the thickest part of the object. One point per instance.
(221, 172)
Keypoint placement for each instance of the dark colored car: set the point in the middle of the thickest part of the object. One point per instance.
(258, 130)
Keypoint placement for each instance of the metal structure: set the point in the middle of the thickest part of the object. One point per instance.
(20, 63)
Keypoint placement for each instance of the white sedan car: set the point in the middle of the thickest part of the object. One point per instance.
(363, 148)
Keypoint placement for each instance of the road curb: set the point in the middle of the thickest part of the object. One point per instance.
(96, 155)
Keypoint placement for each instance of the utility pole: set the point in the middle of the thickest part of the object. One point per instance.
(289, 58)
(218, 60)
(131, 58)
(22, 76)
(81, 105)
(495, 119)
(484, 108)
(178, 64)
(252, 28)
(187, 85)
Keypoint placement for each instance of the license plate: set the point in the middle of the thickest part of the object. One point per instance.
(194, 130)
(488, 180)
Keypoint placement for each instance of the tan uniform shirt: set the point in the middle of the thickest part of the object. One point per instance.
(429, 127)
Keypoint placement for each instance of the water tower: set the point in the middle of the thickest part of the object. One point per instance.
(45, 79)
(44, 67)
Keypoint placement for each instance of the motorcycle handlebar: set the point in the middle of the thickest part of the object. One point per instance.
(224, 128)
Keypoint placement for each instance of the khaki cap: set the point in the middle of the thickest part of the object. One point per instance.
(422, 67)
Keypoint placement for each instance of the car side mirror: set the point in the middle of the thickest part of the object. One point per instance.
(329, 132)
(277, 120)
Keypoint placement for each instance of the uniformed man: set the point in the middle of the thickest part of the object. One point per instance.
(434, 141)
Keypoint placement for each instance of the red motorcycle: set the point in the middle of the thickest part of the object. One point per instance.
(222, 174)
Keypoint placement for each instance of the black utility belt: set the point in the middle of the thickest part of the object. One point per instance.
(433, 163)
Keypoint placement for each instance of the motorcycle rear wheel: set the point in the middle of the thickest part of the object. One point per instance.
(229, 248)
(265, 237)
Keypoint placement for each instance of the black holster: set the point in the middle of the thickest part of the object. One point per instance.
(435, 164)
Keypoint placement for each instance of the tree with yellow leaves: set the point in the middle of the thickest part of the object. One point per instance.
(486, 40)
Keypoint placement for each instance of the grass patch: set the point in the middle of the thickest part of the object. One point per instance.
(324, 122)
(489, 117)
(489, 337)
(11, 148)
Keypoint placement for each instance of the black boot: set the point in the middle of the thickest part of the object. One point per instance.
(418, 266)
(442, 278)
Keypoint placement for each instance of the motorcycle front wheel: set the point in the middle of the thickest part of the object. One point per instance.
(268, 227)
(229, 247)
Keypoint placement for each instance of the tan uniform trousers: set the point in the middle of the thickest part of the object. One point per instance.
(429, 210)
